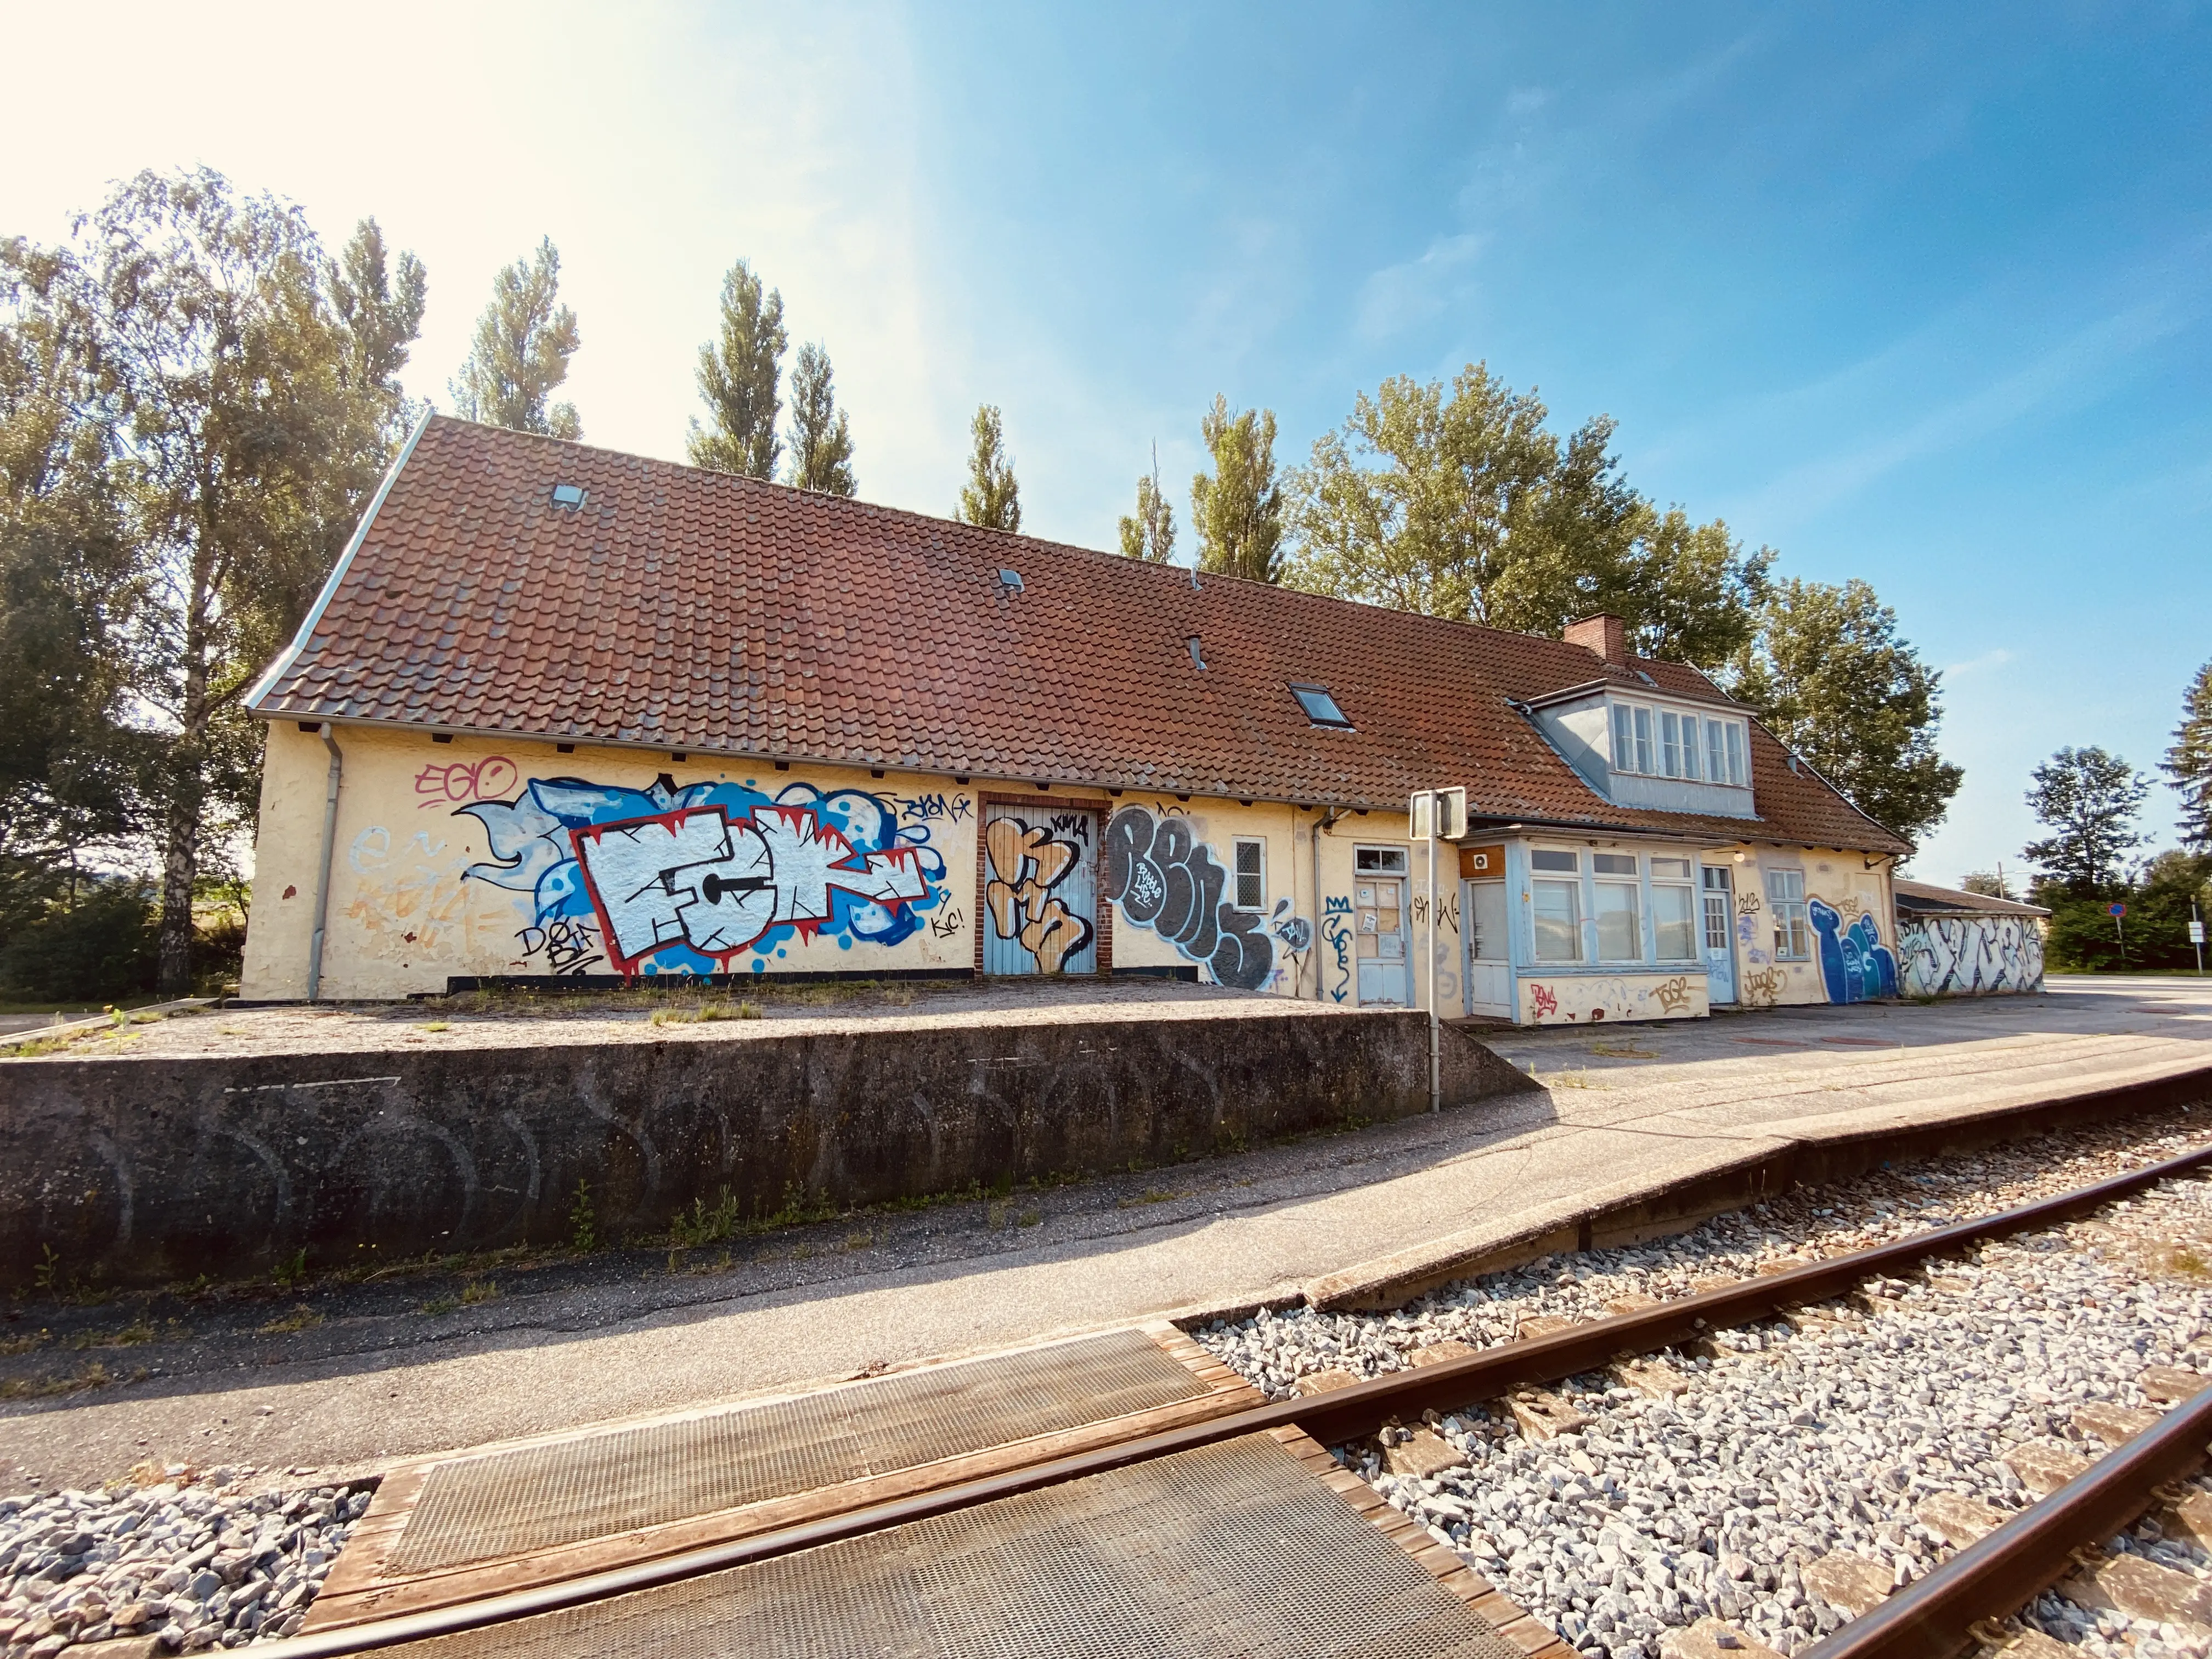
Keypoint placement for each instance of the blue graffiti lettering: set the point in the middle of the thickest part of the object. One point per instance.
(1855, 965)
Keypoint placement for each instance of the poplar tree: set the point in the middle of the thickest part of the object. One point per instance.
(990, 498)
(1150, 533)
(1237, 513)
(821, 437)
(2188, 764)
(738, 377)
(521, 353)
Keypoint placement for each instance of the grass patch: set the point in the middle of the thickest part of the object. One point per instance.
(706, 1013)
(36, 1340)
(95, 1375)
(1576, 1080)
(478, 1291)
(1152, 1195)
(301, 1318)
(136, 1332)
(1624, 1051)
(435, 1026)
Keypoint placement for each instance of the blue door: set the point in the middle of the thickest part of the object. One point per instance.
(1039, 890)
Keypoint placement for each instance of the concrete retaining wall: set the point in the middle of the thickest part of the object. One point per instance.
(154, 1170)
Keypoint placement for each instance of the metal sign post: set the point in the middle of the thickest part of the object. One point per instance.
(2196, 935)
(1430, 815)
(2120, 932)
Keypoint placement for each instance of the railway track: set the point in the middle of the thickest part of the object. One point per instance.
(611, 1583)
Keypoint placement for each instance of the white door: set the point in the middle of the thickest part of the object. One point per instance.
(1719, 926)
(1379, 917)
(1489, 974)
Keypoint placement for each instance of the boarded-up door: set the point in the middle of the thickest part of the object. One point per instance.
(1040, 891)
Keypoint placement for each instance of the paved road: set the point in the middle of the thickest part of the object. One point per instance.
(1631, 1104)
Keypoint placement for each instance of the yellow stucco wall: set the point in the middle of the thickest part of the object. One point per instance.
(452, 860)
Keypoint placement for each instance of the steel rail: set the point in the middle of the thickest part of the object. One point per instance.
(2010, 1567)
(1342, 1414)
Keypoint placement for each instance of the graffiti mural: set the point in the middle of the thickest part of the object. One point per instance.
(1028, 863)
(1167, 879)
(1855, 966)
(459, 781)
(1580, 1001)
(1968, 956)
(686, 880)
(1336, 934)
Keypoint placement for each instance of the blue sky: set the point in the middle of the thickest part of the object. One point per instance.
(1916, 294)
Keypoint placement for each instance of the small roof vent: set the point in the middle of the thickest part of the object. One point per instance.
(568, 494)
(1010, 579)
(1196, 661)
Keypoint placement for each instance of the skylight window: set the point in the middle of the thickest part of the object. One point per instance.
(568, 494)
(1321, 707)
(1011, 580)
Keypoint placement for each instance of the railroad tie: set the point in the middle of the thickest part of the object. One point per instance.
(1715, 1638)
(1850, 1583)
(2141, 1590)
(2172, 1383)
(2113, 1425)
(1958, 1520)
(2044, 1469)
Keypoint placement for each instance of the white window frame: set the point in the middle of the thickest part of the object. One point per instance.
(1236, 873)
(1694, 917)
(1570, 882)
(1707, 749)
(1793, 931)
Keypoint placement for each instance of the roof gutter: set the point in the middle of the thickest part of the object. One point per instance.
(282, 666)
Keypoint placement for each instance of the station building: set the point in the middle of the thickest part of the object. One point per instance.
(562, 712)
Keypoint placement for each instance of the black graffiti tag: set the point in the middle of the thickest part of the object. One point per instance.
(1166, 879)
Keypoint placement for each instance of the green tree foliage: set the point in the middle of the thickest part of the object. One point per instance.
(990, 498)
(2188, 764)
(1462, 503)
(2081, 934)
(821, 438)
(521, 353)
(2088, 801)
(1988, 883)
(230, 393)
(738, 377)
(1237, 513)
(1150, 533)
(1829, 676)
(103, 945)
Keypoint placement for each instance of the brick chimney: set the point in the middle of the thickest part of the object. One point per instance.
(1605, 633)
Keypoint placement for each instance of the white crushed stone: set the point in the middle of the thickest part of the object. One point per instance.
(201, 1565)
(1787, 1446)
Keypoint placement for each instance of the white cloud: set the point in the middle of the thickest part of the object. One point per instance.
(1402, 296)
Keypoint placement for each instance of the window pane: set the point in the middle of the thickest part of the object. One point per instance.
(1618, 937)
(1643, 740)
(1670, 743)
(1785, 886)
(1251, 882)
(1613, 864)
(1716, 921)
(1735, 754)
(1624, 739)
(1320, 707)
(1689, 745)
(1715, 751)
(1671, 928)
(1559, 910)
(1670, 869)
(1545, 858)
(1388, 859)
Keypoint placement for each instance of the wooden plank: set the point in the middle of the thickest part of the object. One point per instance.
(358, 1588)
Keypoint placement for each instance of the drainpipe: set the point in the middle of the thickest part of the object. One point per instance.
(323, 870)
(1319, 828)
(1436, 1031)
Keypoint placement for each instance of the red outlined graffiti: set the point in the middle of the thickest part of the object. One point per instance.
(697, 877)
(455, 783)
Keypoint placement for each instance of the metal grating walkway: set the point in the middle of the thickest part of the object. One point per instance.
(1235, 1549)
(537, 1497)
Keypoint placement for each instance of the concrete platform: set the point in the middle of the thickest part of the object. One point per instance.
(1621, 1112)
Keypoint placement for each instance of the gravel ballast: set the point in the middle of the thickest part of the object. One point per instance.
(196, 1566)
(1791, 1441)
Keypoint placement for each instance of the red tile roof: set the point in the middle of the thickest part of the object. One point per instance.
(688, 610)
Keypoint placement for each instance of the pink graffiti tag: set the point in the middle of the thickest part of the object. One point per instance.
(458, 782)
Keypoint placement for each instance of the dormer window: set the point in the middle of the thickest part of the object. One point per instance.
(1670, 743)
